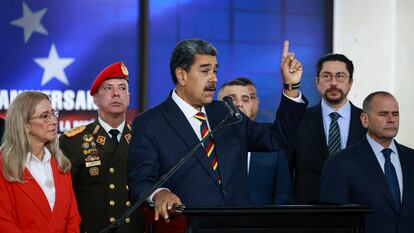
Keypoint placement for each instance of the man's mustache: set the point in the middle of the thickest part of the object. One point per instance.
(210, 87)
(334, 89)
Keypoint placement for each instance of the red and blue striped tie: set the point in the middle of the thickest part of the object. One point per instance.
(208, 144)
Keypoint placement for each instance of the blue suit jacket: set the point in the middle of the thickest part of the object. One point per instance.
(269, 179)
(355, 176)
(162, 135)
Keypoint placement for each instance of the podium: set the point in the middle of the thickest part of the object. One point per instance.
(267, 219)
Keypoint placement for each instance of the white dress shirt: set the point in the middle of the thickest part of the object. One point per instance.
(41, 171)
(395, 159)
(189, 112)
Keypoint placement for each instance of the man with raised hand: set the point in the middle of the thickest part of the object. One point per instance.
(216, 175)
(269, 177)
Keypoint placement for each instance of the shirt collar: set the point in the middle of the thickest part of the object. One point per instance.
(32, 158)
(344, 111)
(107, 127)
(188, 110)
(377, 148)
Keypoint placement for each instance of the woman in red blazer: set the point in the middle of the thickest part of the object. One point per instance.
(36, 193)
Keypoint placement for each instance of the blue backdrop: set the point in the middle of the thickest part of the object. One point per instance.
(248, 35)
(60, 46)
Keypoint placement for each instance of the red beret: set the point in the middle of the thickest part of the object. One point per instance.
(116, 70)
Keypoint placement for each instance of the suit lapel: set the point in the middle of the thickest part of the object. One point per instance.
(215, 116)
(407, 174)
(103, 142)
(368, 161)
(179, 123)
(61, 196)
(354, 127)
(32, 189)
(317, 129)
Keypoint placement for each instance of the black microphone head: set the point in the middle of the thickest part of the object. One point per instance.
(229, 103)
(228, 100)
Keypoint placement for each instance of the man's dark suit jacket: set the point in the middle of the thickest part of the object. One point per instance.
(2, 122)
(269, 179)
(355, 176)
(162, 135)
(311, 151)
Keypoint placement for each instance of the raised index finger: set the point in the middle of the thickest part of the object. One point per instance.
(285, 49)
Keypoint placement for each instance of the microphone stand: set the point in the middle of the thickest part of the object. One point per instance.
(112, 228)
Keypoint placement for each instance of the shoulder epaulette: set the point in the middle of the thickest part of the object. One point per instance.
(75, 131)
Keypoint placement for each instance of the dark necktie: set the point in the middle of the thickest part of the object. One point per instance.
(208, 144)
(114, 135)
(391, 177)
(334, 139)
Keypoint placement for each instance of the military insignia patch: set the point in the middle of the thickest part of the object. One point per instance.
(91, 158)
(93, 163)
(94, 171)
(101, 140)
(75, 131)
(96, 129)
(85, 145)
(124, 69)
(127, 137)
(87, 138)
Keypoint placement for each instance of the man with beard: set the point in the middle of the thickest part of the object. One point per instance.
(216, 175)
(326, 128)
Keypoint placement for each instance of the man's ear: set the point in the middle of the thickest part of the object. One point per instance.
(181, 75)
(364, 119)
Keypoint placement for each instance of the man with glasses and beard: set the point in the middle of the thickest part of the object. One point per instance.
(326, 128)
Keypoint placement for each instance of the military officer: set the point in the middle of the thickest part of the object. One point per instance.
(98, 152)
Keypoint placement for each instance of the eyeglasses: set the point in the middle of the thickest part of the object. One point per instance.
(340, 77)
(47, 116)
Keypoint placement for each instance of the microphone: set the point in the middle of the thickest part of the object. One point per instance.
(228, 102)
(112, 228)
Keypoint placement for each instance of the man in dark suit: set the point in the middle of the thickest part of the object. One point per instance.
(1, 128)
(334, 81)
(377, 172)
(269, 177)
(217, 173)
(98, 152)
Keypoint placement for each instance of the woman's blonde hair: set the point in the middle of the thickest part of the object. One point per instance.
(15, 144)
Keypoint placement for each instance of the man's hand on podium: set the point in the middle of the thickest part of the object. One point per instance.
(166, 203)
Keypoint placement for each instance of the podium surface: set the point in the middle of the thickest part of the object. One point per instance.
(267, 219)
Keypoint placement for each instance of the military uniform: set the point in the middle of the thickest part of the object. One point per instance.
(99, 174)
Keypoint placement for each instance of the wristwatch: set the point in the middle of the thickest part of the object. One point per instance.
(291, 86)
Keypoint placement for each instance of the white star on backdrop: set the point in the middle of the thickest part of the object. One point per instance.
(30, 22)
(54, 66)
